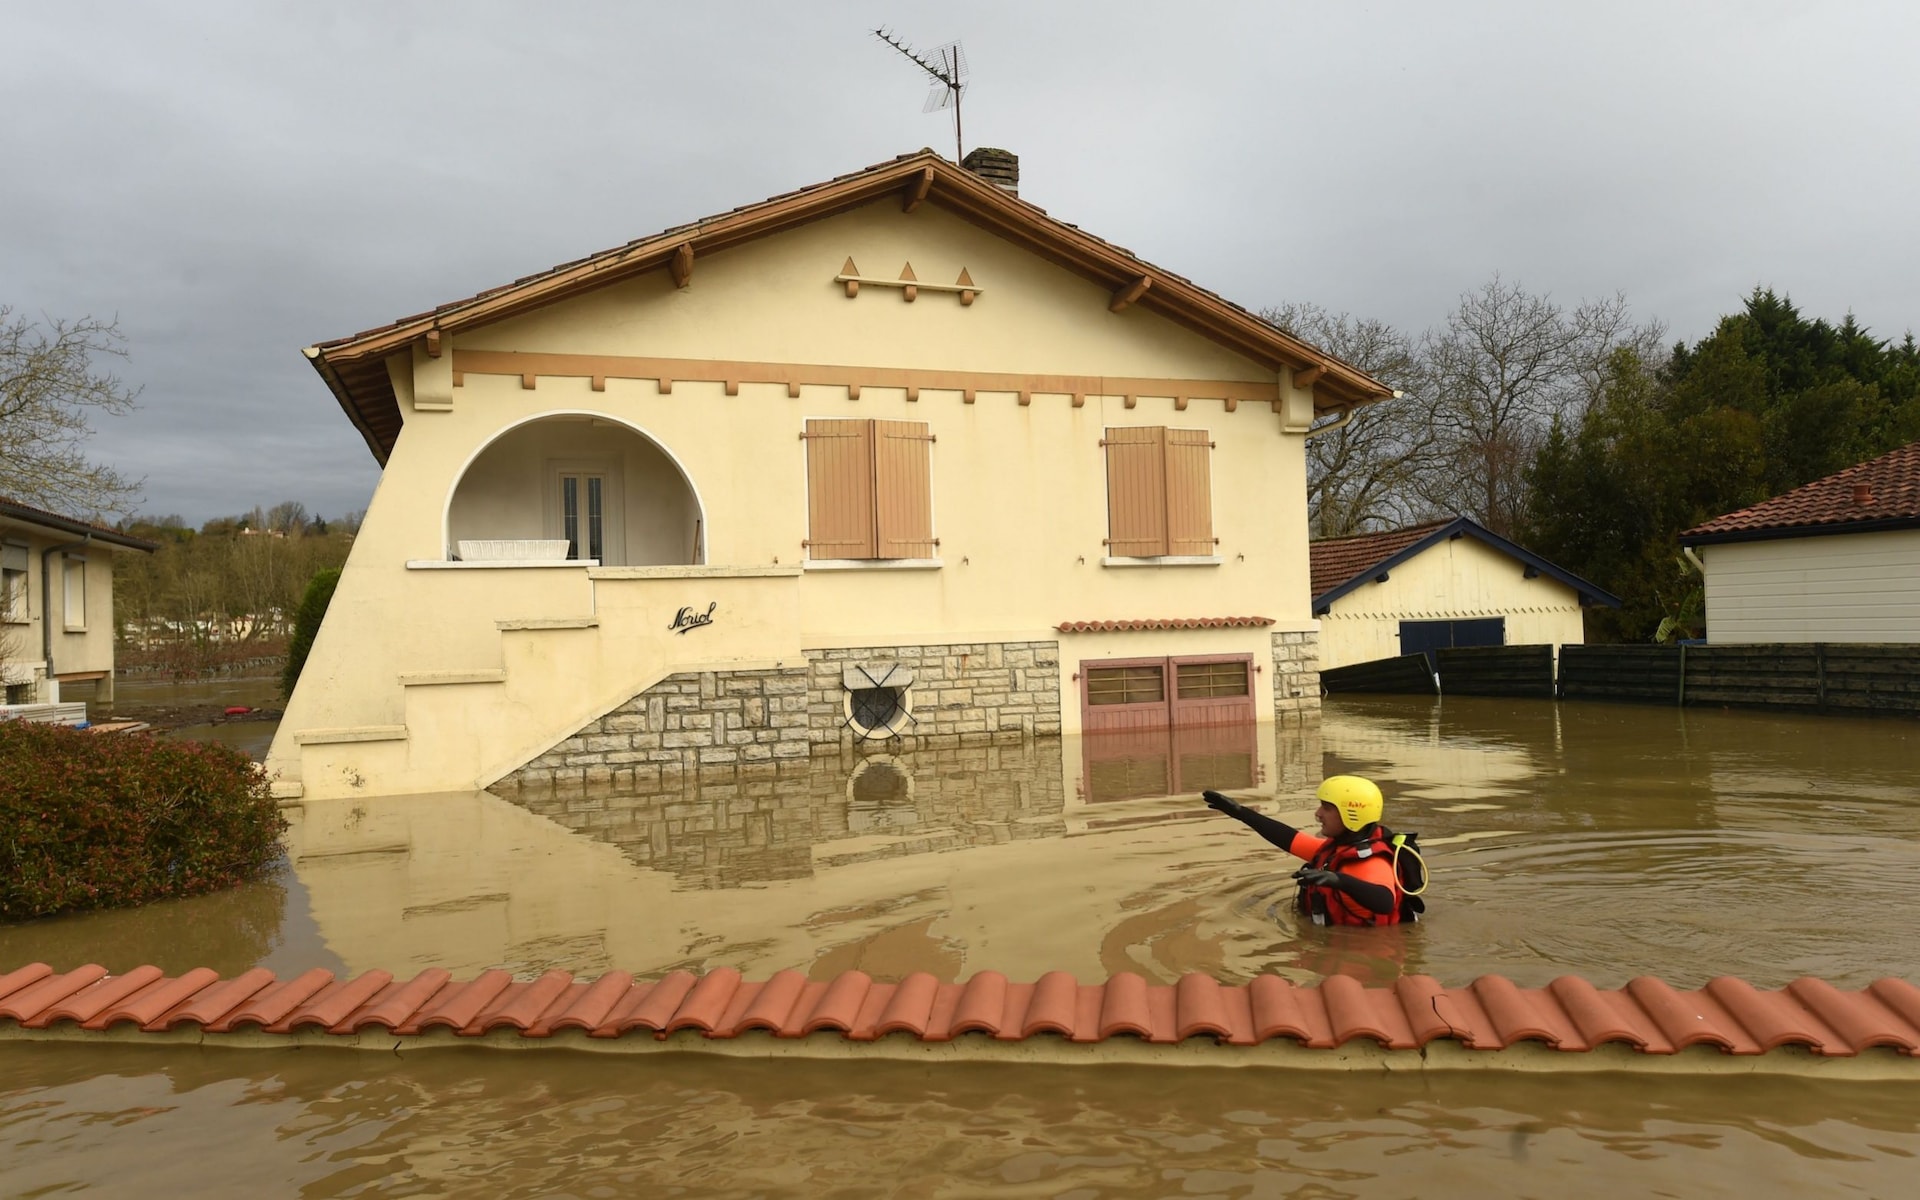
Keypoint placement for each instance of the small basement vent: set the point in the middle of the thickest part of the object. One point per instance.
(877, 699)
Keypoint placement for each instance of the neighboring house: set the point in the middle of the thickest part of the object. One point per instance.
(1437, 585)
(53, 564)
(1836, 560)
(897, 457)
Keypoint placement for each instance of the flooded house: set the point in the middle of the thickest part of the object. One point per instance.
(1835, 560)
(56, 611)
(1443, 584)
(896, 459)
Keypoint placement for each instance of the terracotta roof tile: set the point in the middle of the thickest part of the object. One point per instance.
(1336, 560)
(1884, 489)
(1491, 1013)
(1157, 623)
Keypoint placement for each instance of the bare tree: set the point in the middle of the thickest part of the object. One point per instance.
(1503, 366)
(1362, 475)
(49, 391)
(288, 517)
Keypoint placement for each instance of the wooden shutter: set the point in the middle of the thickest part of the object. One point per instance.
(1189, 492)
(1136, 491)
(903, 489)
(840, 489)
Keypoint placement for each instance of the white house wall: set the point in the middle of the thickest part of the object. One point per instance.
(1461, 579)
(1857, 587)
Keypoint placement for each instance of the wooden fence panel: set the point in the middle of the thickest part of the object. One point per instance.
(1766, 676)
(1871, 678)
(1496, 671)
(1640, 673)
(1406, 674)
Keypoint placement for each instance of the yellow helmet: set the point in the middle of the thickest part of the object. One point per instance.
(1357, 800)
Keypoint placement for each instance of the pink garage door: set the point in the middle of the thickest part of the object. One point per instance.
(1140, 694)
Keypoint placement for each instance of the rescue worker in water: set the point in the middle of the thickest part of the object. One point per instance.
(1351, 876)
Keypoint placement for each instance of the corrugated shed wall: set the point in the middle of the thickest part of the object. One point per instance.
(1856, 587)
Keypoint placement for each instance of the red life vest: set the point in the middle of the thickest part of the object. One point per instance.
(1331, 906)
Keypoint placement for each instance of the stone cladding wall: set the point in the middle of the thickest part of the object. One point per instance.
(962, 695)
(1296, 675)
(686, 722)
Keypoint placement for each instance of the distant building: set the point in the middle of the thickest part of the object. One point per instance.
(1836, 560)
(897, 458)
(1442, 584)
(54, 566)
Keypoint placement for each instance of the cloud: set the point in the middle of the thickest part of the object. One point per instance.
(237, 181)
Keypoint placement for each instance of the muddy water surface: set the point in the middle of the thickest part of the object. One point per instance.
(1608, 841)
(132, 1121)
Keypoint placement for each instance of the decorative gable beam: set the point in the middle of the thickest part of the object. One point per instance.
(680, 266)
(917, 190)
(1307, 377)
(433, 343)
(1125, 296)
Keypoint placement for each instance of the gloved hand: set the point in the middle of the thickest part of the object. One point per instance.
(1314, 878)
(1222, 803)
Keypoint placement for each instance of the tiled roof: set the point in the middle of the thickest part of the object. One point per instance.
(1492, 1013)
(1880, 492)
(1151, 624)
(355, 366)
(1337, 560)
(39, 516)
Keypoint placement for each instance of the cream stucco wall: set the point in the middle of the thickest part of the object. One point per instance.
(1857, 587)
(83, 650)
(1019, 501)
(1461, 579)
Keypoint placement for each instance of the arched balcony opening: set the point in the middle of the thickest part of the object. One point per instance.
(578, 487)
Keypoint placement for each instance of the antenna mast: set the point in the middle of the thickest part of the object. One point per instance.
(948, 66)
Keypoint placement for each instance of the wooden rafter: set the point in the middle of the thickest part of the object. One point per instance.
(433, 343)
(680, 266)
(1308, 376)
(1125, 296)
(917, 191)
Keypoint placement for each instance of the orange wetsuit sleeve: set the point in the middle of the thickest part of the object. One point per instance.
(1281, 834)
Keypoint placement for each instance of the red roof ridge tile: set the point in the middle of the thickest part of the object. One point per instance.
(1491, 1013)
(1150, 624)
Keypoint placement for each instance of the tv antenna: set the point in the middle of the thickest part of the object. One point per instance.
(948, 66)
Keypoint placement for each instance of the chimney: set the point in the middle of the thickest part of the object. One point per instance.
(1001, 168)
(1863, 495)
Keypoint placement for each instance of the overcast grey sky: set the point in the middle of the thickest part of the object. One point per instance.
(236, 181)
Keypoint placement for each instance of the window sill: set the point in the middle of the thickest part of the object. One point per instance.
(1165, 560)
(73, 629)
(874, 564)
(16, 620)
(510, 564)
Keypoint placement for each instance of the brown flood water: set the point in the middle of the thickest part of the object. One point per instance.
(1607, 841)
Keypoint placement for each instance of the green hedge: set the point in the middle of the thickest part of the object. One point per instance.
(103, 820)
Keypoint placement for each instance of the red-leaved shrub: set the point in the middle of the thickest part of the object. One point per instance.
(95, 820)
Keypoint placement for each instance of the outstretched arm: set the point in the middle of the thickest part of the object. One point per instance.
(1279, 833)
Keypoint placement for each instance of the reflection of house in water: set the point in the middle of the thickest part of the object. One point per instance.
(724, 829)
(1168, 762)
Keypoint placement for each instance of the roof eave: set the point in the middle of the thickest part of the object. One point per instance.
(1784, 532)
(60, 524)
(1341, 384)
